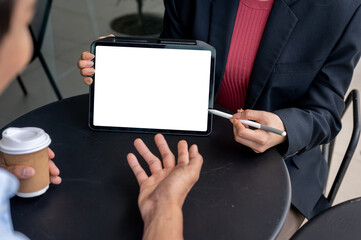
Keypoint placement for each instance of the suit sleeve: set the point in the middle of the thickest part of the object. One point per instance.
(172, 27)
(315, 118)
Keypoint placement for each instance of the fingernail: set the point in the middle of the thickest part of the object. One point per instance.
(91, 71)
(27, 172)
(90, 64)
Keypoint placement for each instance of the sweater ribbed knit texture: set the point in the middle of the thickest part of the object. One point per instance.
(248, 29)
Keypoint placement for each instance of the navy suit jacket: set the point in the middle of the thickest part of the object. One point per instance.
(302, 71)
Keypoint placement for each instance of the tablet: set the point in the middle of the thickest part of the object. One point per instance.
(152, 85)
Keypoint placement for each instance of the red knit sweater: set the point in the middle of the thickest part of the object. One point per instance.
(248, 29)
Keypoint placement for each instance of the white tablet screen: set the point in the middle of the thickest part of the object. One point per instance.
(153, 88)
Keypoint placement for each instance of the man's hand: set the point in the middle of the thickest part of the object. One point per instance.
(162, 194)
(85, 64)
(258, 140)
(25, 172)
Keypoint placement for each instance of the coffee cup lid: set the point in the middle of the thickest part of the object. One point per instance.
(23, 140)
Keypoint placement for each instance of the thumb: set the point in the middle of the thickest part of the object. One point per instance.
(22, 172)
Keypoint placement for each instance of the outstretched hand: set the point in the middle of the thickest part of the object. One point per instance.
(25, 172)
(168, 185)
(161, 195)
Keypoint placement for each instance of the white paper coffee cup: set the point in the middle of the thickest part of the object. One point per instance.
(28, 147)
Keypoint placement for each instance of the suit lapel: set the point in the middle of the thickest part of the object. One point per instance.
(223, 15)
(280, 25)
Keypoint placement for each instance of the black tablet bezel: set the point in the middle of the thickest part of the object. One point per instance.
(152, 43)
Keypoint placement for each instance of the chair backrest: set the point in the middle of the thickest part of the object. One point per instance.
(338, 222)
(39, 22)
(354, 97)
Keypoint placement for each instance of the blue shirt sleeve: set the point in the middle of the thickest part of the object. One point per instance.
(8, 186)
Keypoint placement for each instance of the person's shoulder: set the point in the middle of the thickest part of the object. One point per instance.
(348, 7)
(358, 4)
(342, 4)
(188, 7)
(354, 4)
(324, 2)
(191, 1)
(339, 9)
(188, 3)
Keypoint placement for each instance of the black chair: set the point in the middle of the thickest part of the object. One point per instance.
(339, 222)
(354, 97)
(37, 30)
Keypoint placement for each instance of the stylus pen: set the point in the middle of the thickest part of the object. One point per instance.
(249, 123)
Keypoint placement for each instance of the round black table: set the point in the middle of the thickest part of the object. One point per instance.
(240, 194)
(342, 221)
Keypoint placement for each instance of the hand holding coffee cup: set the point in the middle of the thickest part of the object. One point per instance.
(27, 156)
(25, 172)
